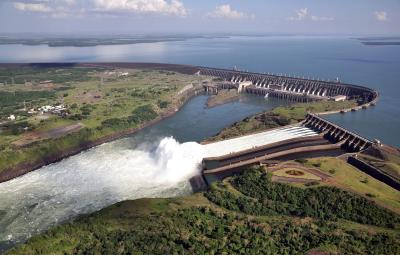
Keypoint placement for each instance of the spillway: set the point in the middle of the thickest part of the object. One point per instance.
(259, 139)
(111, 173)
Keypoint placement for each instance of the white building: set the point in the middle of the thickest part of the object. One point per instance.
(46, 108)
(339, 98)
(12, 117)
(243, 85)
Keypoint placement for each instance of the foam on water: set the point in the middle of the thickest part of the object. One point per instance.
(108, 174)
(259, 139)
(92, 180)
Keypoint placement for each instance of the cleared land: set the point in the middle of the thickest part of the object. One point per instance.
(350, 178)
(292, 174)
(100, 102)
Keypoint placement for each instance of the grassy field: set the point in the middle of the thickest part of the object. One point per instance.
(285, 172)
(117, 103)
(297, 112)
(347, 177)
(243, 215)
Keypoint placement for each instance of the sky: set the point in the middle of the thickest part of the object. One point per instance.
(83, 17)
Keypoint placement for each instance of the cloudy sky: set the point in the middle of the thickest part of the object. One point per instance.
(200, 16)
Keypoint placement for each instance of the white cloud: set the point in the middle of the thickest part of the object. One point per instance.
(300, 14)
(304, 14)
(32, 7)
(172, 7)
(225, 11)
(380, 15)
(51, 8)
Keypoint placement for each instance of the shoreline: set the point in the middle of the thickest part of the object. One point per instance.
(26, 167)
(226, 97)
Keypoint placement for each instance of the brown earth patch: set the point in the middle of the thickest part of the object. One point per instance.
(32, 137)
(295, 172)
(89, 97)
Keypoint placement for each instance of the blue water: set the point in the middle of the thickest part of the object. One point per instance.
(323, 57)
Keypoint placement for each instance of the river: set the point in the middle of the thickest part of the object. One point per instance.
(156, 162)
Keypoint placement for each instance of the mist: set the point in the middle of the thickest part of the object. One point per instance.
(93, 180)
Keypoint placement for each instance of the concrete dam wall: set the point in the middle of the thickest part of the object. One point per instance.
(314, 136)
(294, 88)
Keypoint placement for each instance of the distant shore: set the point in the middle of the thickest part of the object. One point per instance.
(94, 41)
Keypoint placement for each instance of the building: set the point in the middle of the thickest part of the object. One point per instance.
(12, 117)
(243, 85)
(339, 98)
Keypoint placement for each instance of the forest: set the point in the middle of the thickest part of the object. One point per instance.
(246, 214)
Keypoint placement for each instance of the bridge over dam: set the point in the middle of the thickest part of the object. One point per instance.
(292, 88)
(314, 137)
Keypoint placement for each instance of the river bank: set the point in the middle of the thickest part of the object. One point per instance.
(278, 117)
(26, 167)
(224, 96)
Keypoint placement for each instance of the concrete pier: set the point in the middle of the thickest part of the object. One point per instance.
(350, 141)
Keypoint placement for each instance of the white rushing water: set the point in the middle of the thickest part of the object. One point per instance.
(258, 139)
(93, 180)
(110, 173)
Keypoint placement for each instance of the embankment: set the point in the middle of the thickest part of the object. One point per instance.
(223, 97)
(26, 167)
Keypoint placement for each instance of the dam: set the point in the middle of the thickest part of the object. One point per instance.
(292, 88)
(312, 137)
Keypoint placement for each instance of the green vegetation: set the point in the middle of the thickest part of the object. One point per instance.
(34, 75)
(250, 220)
(325, 203)
(350, 178)
(139, 115)
(280, 116)
(100, 100)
